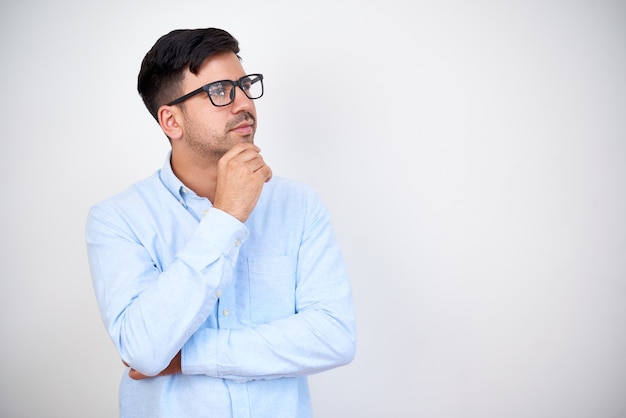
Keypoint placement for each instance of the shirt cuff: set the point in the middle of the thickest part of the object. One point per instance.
(218, 233)
(199, 354)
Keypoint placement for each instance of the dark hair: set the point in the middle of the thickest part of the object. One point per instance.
(163, 66)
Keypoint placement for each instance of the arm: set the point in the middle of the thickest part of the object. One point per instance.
(149, 313)
(320, 336)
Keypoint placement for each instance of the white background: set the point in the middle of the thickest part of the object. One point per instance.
(473, 155)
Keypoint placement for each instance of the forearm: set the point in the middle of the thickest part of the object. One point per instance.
(156, 324)
(318, 335)
(303, 344)
(151, 313)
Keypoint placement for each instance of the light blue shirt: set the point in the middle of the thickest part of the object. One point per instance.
(254, 308)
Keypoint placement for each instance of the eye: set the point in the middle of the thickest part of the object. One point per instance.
(246, 84)
(217, 90)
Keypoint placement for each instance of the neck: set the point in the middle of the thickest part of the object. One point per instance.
(199, 176)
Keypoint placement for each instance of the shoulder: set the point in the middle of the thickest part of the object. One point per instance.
(135, 197)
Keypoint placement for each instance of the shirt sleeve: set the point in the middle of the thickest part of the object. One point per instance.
(321, 334)
(149, 313)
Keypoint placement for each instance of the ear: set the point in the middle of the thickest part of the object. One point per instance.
(170, 120)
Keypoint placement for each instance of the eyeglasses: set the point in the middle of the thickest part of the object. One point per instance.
(222, 93)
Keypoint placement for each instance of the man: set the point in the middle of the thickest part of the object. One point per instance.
(221, 287)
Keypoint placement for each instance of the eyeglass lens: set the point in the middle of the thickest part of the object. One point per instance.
(222, 93)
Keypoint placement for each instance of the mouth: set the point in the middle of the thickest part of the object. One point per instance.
(244, 124)
(244, 128)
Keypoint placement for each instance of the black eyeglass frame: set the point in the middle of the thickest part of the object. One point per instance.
(234, 83)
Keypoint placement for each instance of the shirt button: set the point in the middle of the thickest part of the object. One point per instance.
(204, 212)
(226, 312)
(218, 293)
(237, 243)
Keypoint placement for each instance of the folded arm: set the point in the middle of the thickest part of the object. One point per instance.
(150, 313)
(320, 335)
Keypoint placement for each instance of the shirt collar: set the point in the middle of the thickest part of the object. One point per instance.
(173, 184)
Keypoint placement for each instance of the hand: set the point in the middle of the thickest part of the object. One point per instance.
(173, 368)
(241, 173)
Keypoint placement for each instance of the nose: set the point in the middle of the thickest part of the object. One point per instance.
(242, 102)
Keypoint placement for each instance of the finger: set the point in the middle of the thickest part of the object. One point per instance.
(135, 375)
(269, 177)
(255, 164)
(240, 148)
(249, 160)
(238, 159)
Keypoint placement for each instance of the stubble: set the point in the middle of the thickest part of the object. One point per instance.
(208, 144)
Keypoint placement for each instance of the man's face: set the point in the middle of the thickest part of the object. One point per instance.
(210, 131)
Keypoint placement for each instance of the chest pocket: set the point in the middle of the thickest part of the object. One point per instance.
(272, 284)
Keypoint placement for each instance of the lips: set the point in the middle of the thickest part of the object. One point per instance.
(243, 123)
(244, 128)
